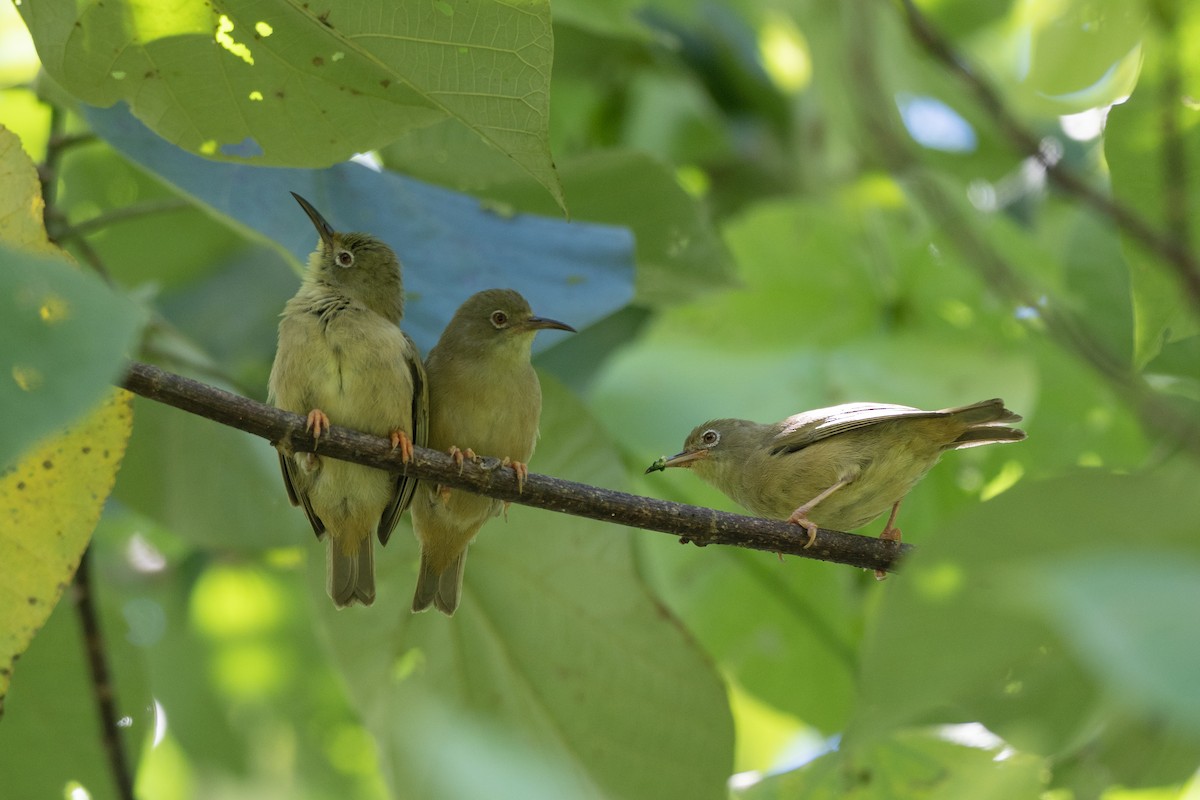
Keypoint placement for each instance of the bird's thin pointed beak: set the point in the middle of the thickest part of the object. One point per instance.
(323, 228)
(683, 459)
(542, 323)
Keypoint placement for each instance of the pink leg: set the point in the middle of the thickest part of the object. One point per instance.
(800, 515)
(317, 422)
(400, 439)
(891, 533)
(521, 470)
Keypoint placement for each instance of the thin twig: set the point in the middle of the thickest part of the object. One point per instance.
(97, 656)
(700, 526)
(1172, 250)
(123, 214)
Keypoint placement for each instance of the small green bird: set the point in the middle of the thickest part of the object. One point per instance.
(838, 467)
(342, 355)
(484, 396)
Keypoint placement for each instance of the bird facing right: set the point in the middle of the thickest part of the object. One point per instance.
(838, 467)
(485, 398)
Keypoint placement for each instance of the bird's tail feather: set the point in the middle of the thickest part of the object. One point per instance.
(984, 419)
(440, 590)
(350, 577)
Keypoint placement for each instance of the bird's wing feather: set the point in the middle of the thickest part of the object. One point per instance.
(403, 493)
(299, 497)
(801, 430)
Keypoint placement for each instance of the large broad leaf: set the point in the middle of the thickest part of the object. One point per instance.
(559, 676)
(238, 79)
(452, 246)
(999, 618)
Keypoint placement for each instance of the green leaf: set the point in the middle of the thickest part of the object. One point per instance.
(227, 493)
(67, 335)
(766, 621)
(910, 764)
(1077, 54)
(1120, 613)
(238, 81)
(559, 676)
(451, 244)
(1140, 147)
(53, 693)
(963, 633)
(679, 254)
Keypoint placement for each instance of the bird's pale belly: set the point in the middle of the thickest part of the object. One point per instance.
(367, 396)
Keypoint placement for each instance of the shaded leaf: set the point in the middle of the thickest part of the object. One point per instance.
(1119, 613)
(451, 245)
(962, 635)
(66, 332)
(558, 663)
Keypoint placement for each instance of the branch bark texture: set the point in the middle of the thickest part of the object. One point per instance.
(700, 526)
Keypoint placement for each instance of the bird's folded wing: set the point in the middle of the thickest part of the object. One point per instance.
(800, 430)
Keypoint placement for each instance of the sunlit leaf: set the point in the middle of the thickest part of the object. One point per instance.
(239, 80)
(21, 204)
(911, 764)
(49, 503)
(1139, 147)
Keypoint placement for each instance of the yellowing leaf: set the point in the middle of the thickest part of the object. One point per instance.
(49, 504)
(21, 201)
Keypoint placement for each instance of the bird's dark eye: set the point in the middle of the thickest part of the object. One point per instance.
(344, 258)
(710, 437)
(499, 318)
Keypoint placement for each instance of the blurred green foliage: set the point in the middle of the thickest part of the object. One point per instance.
(823, 212)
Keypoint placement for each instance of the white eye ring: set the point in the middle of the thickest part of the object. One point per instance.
(710, 438)
(499, 319)
(344, 258)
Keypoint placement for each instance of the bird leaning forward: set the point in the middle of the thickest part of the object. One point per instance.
(838, 467)
(343, 357)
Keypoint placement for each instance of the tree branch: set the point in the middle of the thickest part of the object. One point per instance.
(700, 526)
(97, 656)
(1170, 247)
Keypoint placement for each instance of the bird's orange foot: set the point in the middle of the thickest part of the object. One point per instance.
(317, 423)
(506, 505)
(520, 468)
(461, 456)
(443, 493)
(401, 441)
(803, 521)
(892, 535)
